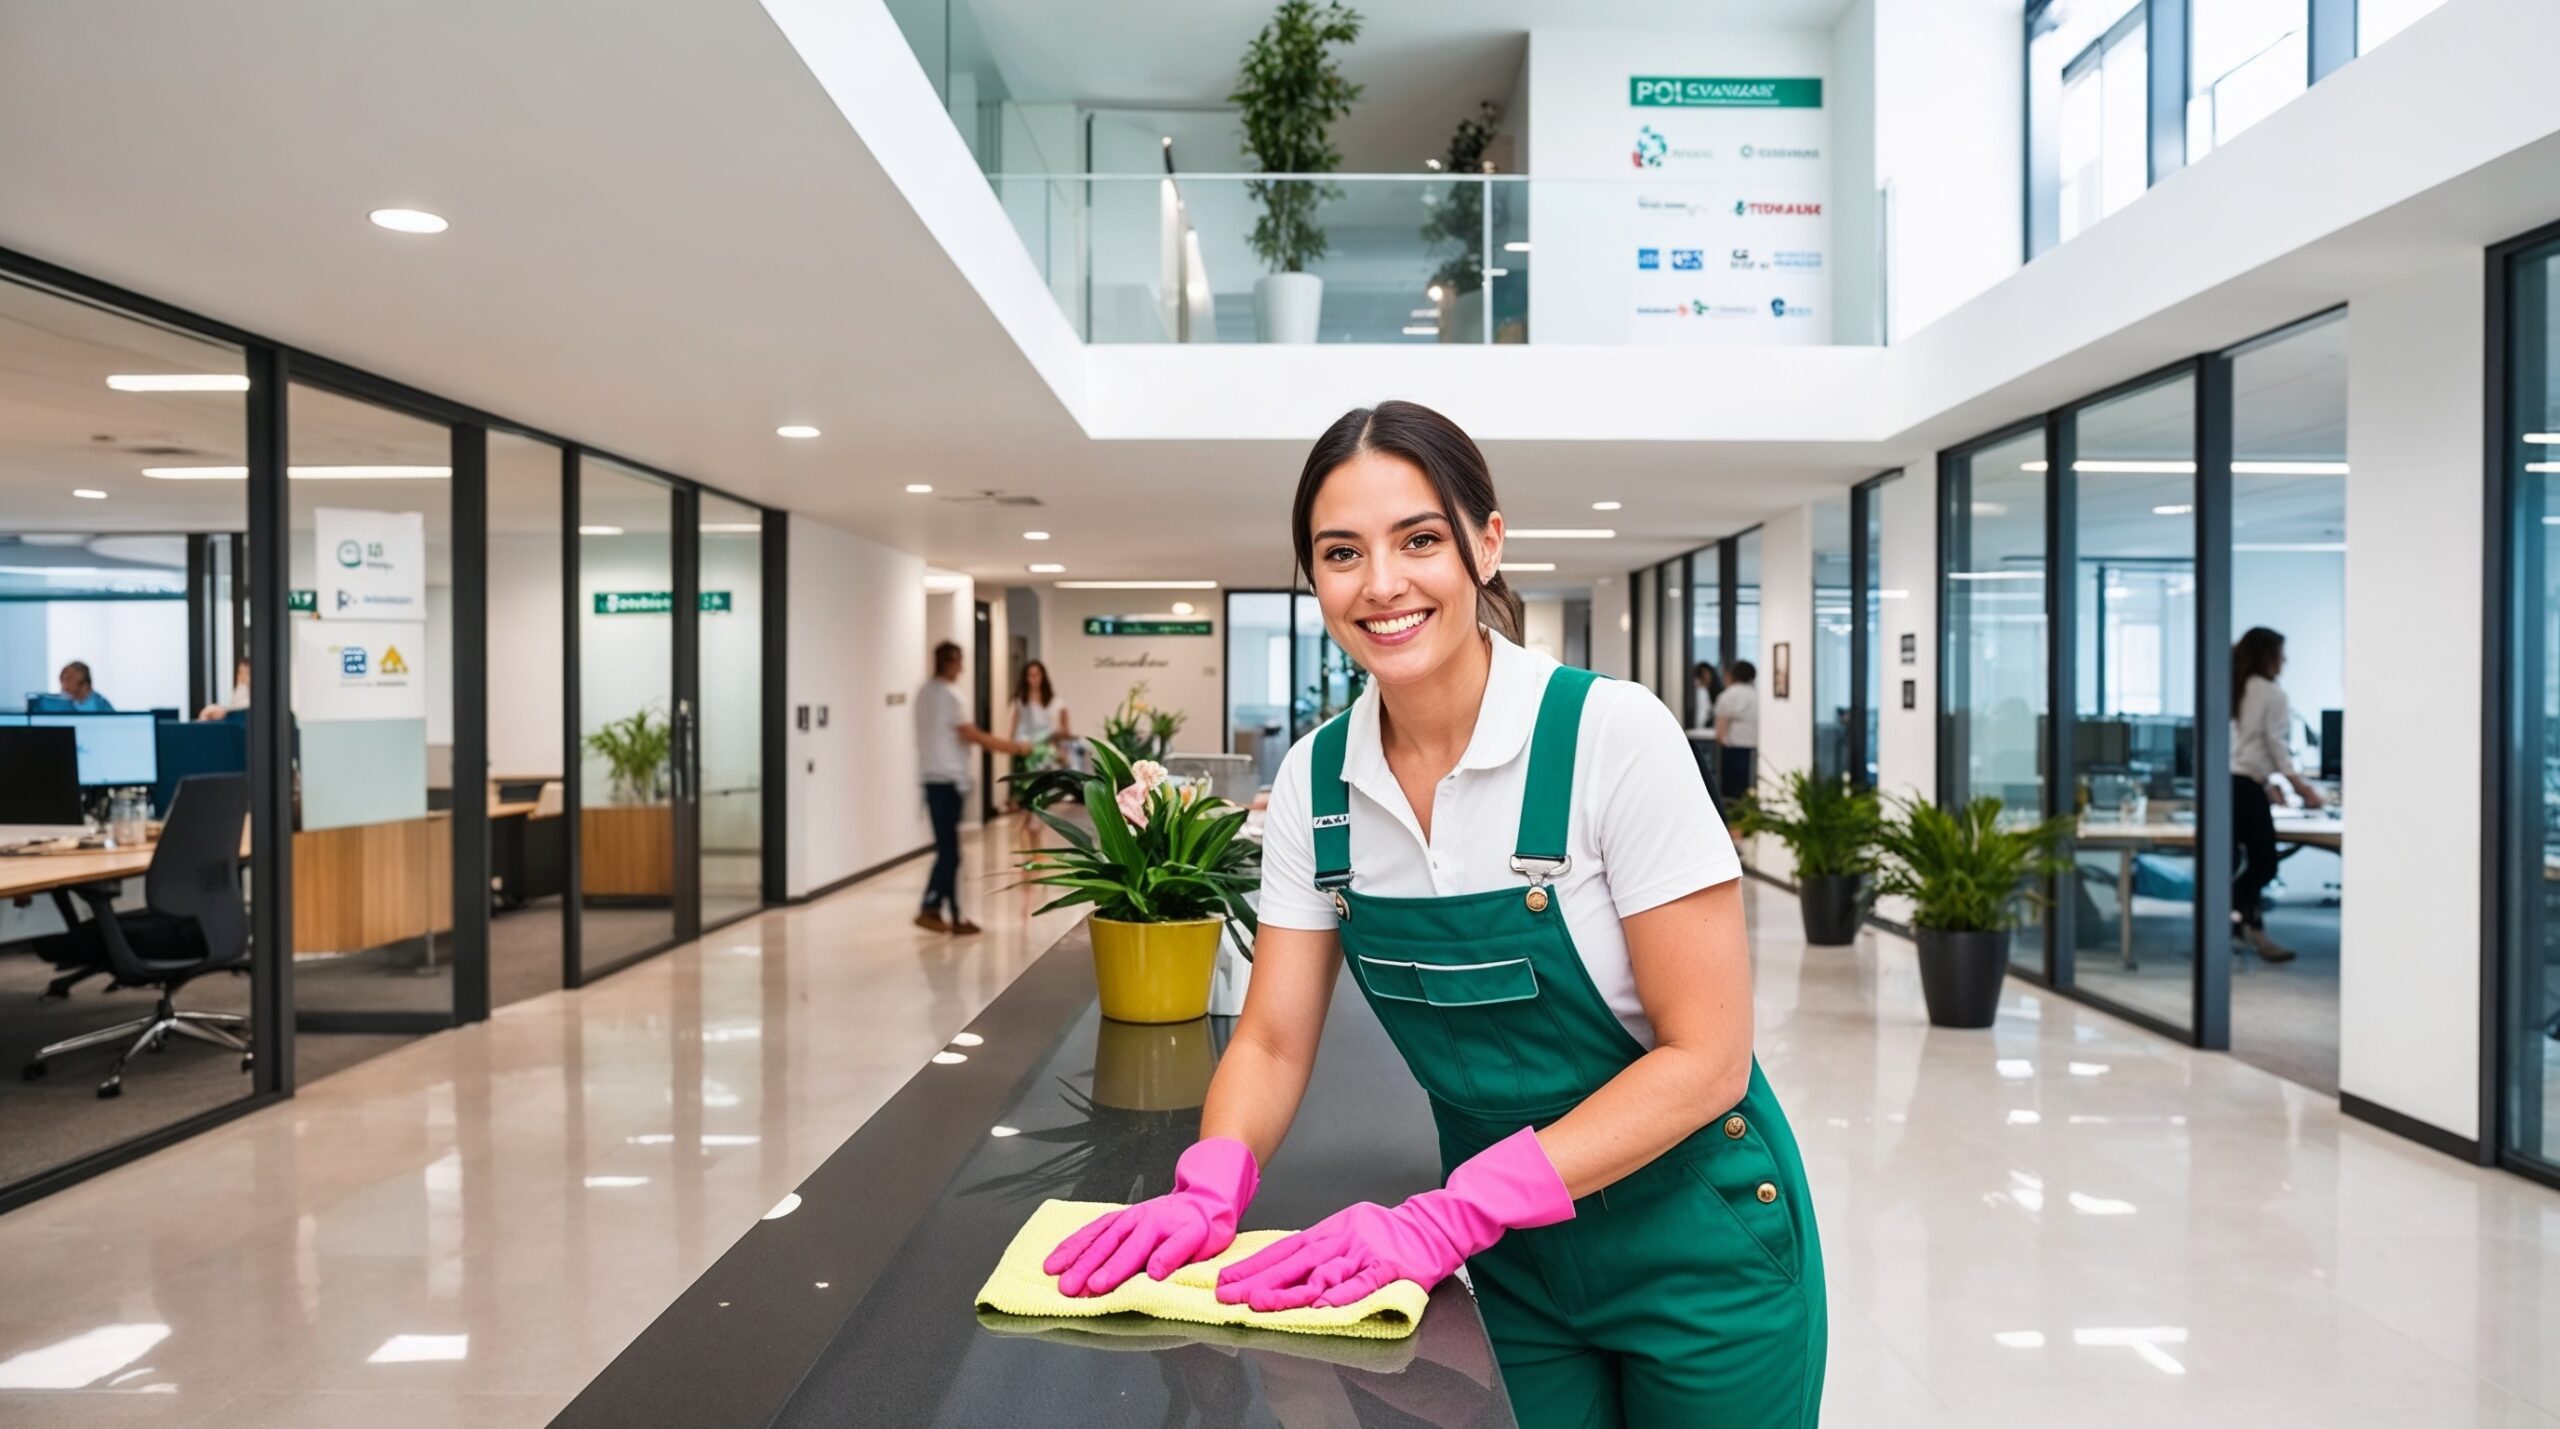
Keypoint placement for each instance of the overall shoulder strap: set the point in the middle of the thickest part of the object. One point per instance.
(1329, 799)
(1546, 806)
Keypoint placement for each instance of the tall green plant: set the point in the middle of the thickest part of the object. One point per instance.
(1458, 217)
(1291, 91)
(634, 749)
(1140, 730)
(1180, 861)
(1962, 870)
(1829, 825)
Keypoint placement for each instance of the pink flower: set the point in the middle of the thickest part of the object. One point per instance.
(1133, 800)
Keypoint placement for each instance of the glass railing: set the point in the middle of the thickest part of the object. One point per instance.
(1251, 258)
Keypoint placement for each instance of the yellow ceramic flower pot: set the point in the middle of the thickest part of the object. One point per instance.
(1161, 1066)
(1154, 972)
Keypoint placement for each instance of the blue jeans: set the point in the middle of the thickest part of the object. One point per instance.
(942, 886)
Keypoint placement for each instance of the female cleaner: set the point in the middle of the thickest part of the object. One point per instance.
(1523, 871)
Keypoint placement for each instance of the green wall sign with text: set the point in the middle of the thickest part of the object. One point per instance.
(1659, 92)
(1123, 625)
(302, 602)
(652, 602)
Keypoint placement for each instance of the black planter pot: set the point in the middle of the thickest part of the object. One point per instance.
(1960, 975)
(1833, 905)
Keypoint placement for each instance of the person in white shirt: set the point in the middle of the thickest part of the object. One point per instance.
(943, 735)
(1737, 731)
(2261, 753)
(1038, 717)
(1530, 887)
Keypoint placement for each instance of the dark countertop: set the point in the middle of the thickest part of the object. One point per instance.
(855, 1307)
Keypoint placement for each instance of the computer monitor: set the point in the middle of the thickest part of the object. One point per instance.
(39, 776)
(115, 749)
(2101, 743)
(42, 702)
(2333, 744)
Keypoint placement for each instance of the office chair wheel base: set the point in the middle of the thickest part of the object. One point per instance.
(111, 1089)
(33, 1071)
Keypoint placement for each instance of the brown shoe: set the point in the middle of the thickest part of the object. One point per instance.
(964, 926)
(932, 922)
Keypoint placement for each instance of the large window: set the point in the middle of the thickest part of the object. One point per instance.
(1830, 666)
(1993, 622)
(2245, 59)
(2529, 994)
(2088, 114)
(1706, 630)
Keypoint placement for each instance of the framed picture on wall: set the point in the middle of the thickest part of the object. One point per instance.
(1779, 665)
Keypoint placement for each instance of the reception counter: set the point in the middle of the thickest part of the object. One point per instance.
(854, 1307)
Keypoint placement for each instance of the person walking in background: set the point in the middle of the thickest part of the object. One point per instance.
(1038, 719)
(84, 696)
(943, 734)
(1737, 731)
(2261, 753)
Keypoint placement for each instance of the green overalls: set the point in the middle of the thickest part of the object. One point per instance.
(1687, 1294)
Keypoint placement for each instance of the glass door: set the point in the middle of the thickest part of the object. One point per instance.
(1991, 744)
(2529, 1000)
(731, 614)
(632, 724)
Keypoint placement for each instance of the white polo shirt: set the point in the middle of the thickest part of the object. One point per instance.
(1643, 830)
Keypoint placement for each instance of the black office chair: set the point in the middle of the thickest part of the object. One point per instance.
(191, 923)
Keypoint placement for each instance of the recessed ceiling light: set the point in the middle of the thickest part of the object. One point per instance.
(408, 220)
(599, 530)
(2288, 468)
(179, 382)
(2173, 511)
(1035, 535)
(1046, 568)
(302, 473)
(1531, 567)
(731, 528)
(1562, 533)
(1521, 246)
(87, 494)
(1432, 292)
(1422, 330)
(1137, 585)
(1607, 505)
(919, 488)
(796, 430)
(1183, 607)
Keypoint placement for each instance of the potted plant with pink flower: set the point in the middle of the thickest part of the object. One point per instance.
(1165, 874)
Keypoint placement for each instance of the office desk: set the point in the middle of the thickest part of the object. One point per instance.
(854, 1307)
(2306, 829)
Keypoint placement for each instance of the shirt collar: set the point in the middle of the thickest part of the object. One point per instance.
(1512, 691)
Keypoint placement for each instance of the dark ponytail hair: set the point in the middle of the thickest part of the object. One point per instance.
(1448, 459)
(2255, 653)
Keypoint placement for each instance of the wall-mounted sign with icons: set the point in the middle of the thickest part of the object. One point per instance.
(655, 602)
(1144, 625)
(359, 670)
(370, 565)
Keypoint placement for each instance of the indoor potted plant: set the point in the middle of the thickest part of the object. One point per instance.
(628, 843)
(1290, 91)
(1165, 874)
(1829, 825)
(1138, 730)
(1457, 218)
(1966, 877)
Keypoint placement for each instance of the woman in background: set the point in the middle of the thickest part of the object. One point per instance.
(1038, 719)
(2261, 752)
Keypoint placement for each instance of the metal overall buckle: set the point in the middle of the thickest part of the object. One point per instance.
(1541, 879)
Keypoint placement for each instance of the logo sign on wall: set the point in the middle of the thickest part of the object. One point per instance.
(1138, 625)
(1730, 227)
(1654, 92)
(654, 602)
(359, 670)
(372, 564)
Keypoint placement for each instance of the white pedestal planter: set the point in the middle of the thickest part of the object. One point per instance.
(1285, 307)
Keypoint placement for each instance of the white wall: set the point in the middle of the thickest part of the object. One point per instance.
(1094, 672)
(1609, 620)
(1542, 627)
(858, 648)
(524, 654)
(1588, 286)
(1852, 100)
(2409, 1001)
(1950, 124)
(1907, 573)
(1786, 617)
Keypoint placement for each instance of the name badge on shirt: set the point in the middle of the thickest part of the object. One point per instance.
(1332, 821)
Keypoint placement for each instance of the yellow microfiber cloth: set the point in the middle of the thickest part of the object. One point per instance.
(1020, 1287)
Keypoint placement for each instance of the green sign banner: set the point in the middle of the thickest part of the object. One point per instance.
(1122, 625)
(1655, 92)
(302, 602)
(652, 602)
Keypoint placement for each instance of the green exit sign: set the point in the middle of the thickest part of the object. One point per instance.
(302, 602)
(1125, 625)
(652, 602)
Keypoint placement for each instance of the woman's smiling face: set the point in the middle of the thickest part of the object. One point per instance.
(1388, 574)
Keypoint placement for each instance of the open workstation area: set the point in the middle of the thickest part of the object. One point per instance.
(955, 712)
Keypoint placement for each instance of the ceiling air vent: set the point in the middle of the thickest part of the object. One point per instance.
(992, 498)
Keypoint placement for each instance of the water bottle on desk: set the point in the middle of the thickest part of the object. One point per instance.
(128, 819)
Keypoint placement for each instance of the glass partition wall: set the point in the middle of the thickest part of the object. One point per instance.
(315, 632)
(1832, 686)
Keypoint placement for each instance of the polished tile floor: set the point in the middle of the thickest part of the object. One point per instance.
(2062, 1220)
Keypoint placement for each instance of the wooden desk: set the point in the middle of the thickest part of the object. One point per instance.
(21, 875)
(2308, 830)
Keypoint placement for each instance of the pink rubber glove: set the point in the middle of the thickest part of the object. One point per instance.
(1212, 1184)
(1510, 1185)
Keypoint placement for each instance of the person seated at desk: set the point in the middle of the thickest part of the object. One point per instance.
(83, 695)
(2261, 751)
(239, 694)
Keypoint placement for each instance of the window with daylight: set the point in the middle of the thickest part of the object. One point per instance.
(2245, 59)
